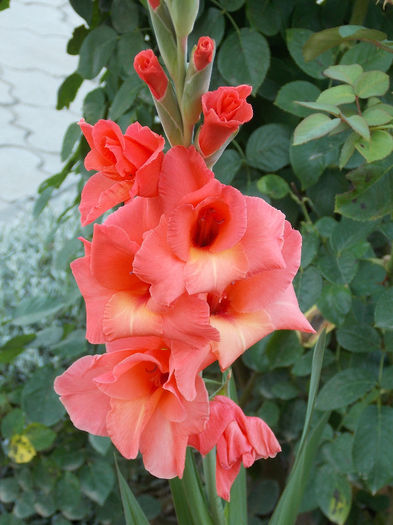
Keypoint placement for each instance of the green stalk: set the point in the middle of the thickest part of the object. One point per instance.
(209, 469)
(189, 489)
(359, 12)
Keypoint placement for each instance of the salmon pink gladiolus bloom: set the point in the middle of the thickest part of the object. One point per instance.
(150, 71)
(118, 302)
(238, 438)
(131, 395)
(127, 165)
(209, 236)
(224, 110)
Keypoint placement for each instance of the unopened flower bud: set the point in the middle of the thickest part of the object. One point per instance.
(150, 71)
(203, 54)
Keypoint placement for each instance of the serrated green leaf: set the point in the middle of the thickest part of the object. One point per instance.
(371, 84)
(264, 16)
(334, 494)
(349, 73)
(244, 58)
(68, 90)
(267, 147)
(296, 39)
(359, 338)
(124, 15)
(96, 50)
(384, 310)
(368, 56)
(337, 95)
(40, 436)
(289, 95)
(335, 302)
(227, 166)
(378, 147)
(359, 125)
(320, 42)
(375, 116)
(314, 127)
(97, 480)
(372, 451)
(125, 96)
(345, 387)
(329, 108)
(273, 186)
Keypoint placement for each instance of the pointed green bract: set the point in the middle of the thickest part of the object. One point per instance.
(314, 127)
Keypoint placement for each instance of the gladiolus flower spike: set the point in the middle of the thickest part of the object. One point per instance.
(188, 271)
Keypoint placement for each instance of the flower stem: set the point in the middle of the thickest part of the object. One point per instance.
(209, 469)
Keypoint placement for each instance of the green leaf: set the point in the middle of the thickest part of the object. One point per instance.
(313, 127)
(39, 400)
(211, 23)
(308, 287)
(71, 137)
(368, 56)
(100, 443)
(9, 490)
(125, 15)
(371, 196)
(345, 387)
(329, 108)
(125, 96)
(289, 95)
(68, 494)
(348, 234)
(320, 42)
(348, 74)
(4, 4)
(335, 302)
(13, 347)
(12, 423)
(337, 95)
(96, 50)
(263, 496)
(75, 42)
(83, 8)
(384, 310)
(264, 16)
(129, 44)
(283, 349)
(378, 147)
(310, 160)
(371, 84)
(359, 338)
(296, 39)
(97, 480)
(289, 502)
(40, 436)
(334, 494)
(348, 149)
(372, 451)
(267, 147)
(94, 105)
(24, 505)
(359, 125)
(232, 5)
(150, 506)
(45, 505)
(68, 90)
(227, 166)
(133, 513)
(244, 58)
(34, 309)
(273, 186)
(376, 116)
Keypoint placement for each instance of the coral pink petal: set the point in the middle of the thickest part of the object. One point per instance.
(179, 234)
(187, 361)
(132, 383)
(100, 194)
(126, 314)
(261, 438)
(239, 332)
(96, 297)
(225, 479)
(135, 343)
(112, 256)
(86, 405)
(208, 272)
(148, 175)
(285, 313)
(154, 263)
(188, 320)
(172, 408)
(183, 172)
(87, 132)
(264, 237)
(136, 217)
(125, 423)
